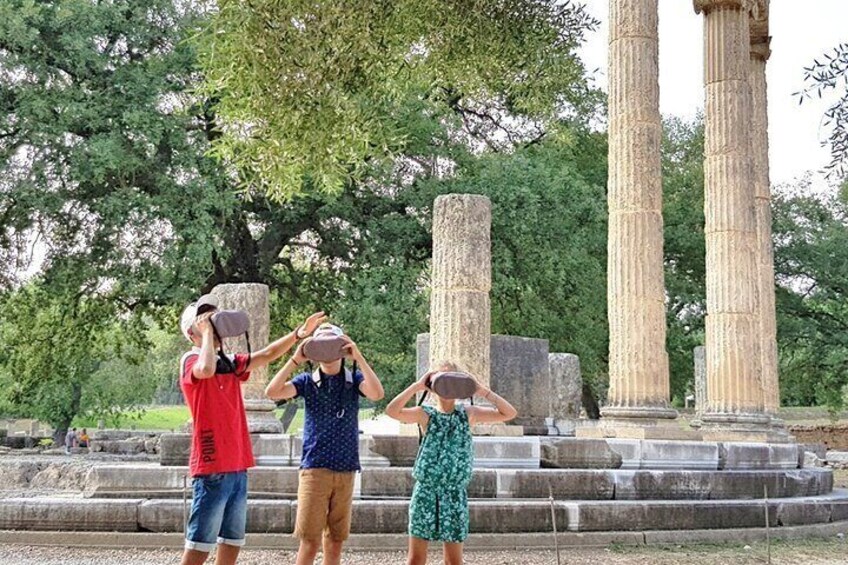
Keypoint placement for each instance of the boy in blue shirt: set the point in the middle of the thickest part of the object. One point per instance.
(330, 457)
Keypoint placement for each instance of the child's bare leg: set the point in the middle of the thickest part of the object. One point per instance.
(194, 557)
(453, 553)
(417, 551)
(332, 551)
(307, 551)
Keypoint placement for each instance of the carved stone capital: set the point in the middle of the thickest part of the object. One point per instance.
(761, 49)
(707, 6)
(759, 21)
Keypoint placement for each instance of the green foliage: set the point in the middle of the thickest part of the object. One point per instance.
(55, 344)
(684, 250)
(102, 149)
(811, 261)
(325, 90)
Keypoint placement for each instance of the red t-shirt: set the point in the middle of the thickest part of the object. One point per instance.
(220, 440)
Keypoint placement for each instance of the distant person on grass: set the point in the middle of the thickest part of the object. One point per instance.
(221, 451)
(70, 440)
(438, 510)
(330, 457)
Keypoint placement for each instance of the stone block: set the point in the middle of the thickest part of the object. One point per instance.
(394, 481)
(520, 373)
(797, 513)
(570, 484)
(377, 516)
(662, 485)
(368, 457)
(275, 449)
(174, 449)
(139, 478)
(785, 455)
(397, 481)
(263, 516)
(400, 451)
(88, 515)
(566, 389)
(628, 450)
(579, 453)
(819, 449)
(507, 452)
(515, 516)
(272, 482)
(664, 515)
(679, 455)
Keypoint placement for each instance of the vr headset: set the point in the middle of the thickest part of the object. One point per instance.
(326, 345)
(453, 385)
(227, 323)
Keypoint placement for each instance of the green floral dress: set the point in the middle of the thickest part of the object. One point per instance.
(438, 510)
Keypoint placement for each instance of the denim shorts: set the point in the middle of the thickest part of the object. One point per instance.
(218, 511)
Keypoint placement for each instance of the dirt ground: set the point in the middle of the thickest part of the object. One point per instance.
(783, 552)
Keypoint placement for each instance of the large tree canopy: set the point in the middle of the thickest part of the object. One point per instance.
(323, 89)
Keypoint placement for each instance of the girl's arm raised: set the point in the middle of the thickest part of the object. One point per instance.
(415, 415)
(502, 412)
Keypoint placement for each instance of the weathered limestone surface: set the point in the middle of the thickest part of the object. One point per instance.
(566, 391)
(638, 363)
(460, 323)
(253, 299)
(700, 357)
(735, 390)
(760, 52)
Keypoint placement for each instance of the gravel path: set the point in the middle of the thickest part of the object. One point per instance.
(808, 553)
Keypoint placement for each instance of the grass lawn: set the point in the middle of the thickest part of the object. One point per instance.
(173, 418)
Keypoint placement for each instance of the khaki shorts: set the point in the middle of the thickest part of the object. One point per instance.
(324, 500)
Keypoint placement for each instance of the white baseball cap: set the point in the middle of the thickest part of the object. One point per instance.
(190, 312)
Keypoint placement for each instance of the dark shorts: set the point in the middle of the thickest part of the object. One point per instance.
(218, 511)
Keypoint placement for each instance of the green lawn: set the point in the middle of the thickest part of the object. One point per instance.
(173, 418)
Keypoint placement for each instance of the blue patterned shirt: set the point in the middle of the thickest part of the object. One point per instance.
(331, 424)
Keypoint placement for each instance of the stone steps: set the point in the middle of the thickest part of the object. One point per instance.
(151, 481)
(390, 516)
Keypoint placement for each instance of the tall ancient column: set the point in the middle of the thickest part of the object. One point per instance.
(760, 52)
(460, 322)
(735, 392)
(638, 361)
(253, 299)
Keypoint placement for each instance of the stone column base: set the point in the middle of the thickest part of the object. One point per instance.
(261, 418)
(636, 412)
(724, 426)
(635, 428)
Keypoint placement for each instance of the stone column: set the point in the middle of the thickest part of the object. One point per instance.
(638, 361)
(699, 355)
(735, 392)
(460, 323)
(253, 299)
(760, 53)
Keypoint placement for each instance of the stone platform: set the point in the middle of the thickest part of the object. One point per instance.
(390, 516)
(151, 481)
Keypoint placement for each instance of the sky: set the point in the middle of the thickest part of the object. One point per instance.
(799, 35)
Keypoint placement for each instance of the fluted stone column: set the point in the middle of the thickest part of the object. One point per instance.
(735, 391)
(760, 53)
(460, 320)
(253, 299)
(638, 361)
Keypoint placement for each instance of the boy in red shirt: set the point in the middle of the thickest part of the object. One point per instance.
(221, 451)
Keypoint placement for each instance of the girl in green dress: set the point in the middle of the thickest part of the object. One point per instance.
(438, 510)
